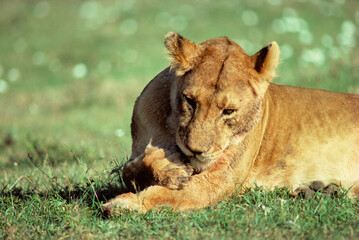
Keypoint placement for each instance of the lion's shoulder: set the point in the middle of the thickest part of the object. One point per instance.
(155, 97)
(151, 111)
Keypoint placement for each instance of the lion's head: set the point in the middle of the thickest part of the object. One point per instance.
(217, 95)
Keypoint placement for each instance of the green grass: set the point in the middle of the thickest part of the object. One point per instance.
(70, 72)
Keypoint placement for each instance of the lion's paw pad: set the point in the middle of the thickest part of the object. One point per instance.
(308, 191)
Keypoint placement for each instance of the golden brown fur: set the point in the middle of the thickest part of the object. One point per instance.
(212, 123)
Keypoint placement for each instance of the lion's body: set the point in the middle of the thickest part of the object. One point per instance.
(309, 135)
(218, 116)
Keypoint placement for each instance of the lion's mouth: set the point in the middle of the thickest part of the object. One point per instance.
(199, 162)
(201, 158)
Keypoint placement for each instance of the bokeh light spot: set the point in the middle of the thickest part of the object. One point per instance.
(178, 23)
(125, 5)
(305, 37)
(89, 10)
(39, 58)
(286, 51)
(79, 70)
(41, 9)
(347, 36)
(249, 18)
(128, 27)
(119, 132)
(3, 86)
(327, 41)
(313, 56)
(275, 2)
(278, 26)
(13, 74)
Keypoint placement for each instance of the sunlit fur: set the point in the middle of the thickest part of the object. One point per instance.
(212, 123)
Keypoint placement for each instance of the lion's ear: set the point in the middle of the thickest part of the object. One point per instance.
(266, 61)
(184, 53)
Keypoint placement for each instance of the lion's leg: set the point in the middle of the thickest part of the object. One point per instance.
(202, 190)
(136, 175)
(157, 166)
(330, 188)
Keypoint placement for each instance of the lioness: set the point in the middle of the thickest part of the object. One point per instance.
(213, 123)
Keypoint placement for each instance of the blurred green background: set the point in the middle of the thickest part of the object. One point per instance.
(71, 70)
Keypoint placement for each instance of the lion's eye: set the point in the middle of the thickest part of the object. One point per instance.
(227, 112)
(191, 102)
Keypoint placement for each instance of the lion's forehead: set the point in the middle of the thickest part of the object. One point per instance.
(221, 81)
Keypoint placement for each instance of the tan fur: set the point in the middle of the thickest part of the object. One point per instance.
(212, 124)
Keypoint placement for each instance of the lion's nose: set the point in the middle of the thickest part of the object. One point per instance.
(198, 141)
(196, 150)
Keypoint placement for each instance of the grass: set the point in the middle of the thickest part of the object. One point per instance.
(69, 74)
(74, 213)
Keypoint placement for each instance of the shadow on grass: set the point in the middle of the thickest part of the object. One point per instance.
(90, 192)
(85, 193)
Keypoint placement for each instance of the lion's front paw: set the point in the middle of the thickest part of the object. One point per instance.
(174, 176)
(170, 171)
(307, 191)
(123, 201)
